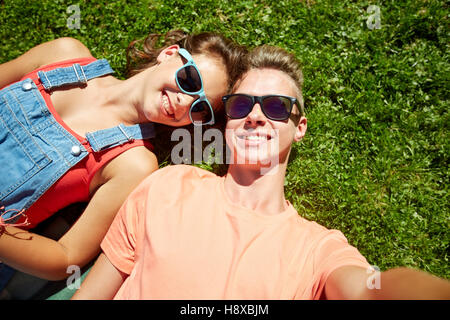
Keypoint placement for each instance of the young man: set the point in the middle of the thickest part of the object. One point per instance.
(186, 233)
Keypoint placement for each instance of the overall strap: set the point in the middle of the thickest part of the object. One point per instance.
(74, 74)
(108, 138)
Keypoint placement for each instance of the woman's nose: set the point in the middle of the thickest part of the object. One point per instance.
(183, 102)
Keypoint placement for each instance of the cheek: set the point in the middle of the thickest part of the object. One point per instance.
(185, 121)
(217, 86)
(229, 132)
(231, 124)
(286, 138)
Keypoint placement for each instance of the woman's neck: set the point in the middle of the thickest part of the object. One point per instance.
(122, 99)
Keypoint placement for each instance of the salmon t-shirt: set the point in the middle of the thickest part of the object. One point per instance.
(178, 236)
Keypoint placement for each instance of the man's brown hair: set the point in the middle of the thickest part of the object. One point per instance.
(277, 58)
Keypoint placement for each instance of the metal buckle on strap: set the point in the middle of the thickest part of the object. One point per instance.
(82, 71)
(131, 139)
(48, 80)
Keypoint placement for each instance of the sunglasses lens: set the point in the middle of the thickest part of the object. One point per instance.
(201, 112)
(189, 79)
(277, 108)
(238, 106)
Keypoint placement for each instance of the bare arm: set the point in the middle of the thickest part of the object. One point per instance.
(102, 282)
(49, 259)
(43, 54)
(399, 284)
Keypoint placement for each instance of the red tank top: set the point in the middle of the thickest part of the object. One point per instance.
(73, 186)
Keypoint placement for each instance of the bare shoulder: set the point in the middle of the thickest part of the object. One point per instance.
(137, 163)
(46, 53)
(62, 49)
(53, 51)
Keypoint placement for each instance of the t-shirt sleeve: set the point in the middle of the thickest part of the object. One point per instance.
(332, 252)
(119, 244)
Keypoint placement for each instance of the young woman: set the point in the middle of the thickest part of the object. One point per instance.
(71, 132)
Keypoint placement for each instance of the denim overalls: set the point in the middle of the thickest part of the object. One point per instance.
(36, 150)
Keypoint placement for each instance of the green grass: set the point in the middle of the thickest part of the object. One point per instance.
(375, 161)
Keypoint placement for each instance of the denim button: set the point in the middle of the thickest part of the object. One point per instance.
(27, 86)
(75, 151)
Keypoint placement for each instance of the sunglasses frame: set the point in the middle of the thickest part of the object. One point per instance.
(259, 100)
(201, 93)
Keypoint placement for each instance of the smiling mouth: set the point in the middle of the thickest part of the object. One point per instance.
(166, 107)
(254, 137)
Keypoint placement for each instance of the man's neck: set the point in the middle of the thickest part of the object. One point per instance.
(260, 192)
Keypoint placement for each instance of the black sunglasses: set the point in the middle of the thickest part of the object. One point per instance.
(275, 107)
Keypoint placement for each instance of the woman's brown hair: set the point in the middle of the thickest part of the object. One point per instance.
(142, 54)
(210, 43)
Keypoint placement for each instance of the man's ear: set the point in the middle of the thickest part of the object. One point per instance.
(300, 130)
(167, 52)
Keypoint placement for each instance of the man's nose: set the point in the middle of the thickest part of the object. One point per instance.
(256, 116)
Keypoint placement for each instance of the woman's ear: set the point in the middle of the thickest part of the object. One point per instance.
(300, 129)
(167, 52)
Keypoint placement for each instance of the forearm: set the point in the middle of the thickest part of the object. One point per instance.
(409, 284)
(33, 254)
(102, 282)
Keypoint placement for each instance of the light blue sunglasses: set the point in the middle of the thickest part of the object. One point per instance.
(189, 80)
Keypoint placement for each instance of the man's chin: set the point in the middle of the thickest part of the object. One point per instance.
(263, 165)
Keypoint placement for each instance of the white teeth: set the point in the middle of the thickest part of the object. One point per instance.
(166, 104)
(255, 138)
